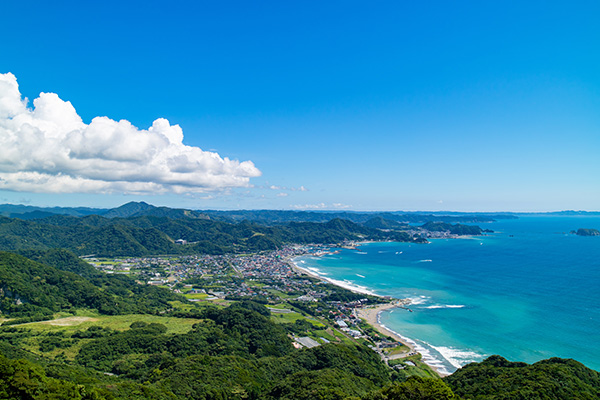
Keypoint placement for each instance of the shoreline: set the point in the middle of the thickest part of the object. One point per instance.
(306, 271)
(371, 314)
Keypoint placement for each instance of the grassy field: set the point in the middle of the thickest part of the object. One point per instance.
(196, 296)
(280, 306)
(252, 283)
(85, 319)
(293, 316)
(398, 350)
(67, 324)
(286, 318)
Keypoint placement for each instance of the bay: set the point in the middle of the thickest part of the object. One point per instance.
(529, 291)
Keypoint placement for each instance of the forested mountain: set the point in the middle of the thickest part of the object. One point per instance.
(264, 217)
(140, 229)
(150, 235)
(455, 229)
(17, 210)
(496, 378)
(138, 209)
(31, 290)
(273, 217)
(381, 223)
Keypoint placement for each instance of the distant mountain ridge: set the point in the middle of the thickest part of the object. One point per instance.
(13, 210)
(128, 210)
(131, 209)
(141, 229)
(265, 217)
(273, 217)
(152, 235)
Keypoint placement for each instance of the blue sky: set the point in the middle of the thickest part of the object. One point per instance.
(469, 106)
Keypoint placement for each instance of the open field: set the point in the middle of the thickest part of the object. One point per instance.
(292, 316)
(84, 320)
(196, 296)
(65, 325)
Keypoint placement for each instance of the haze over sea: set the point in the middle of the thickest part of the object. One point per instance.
(529, 291)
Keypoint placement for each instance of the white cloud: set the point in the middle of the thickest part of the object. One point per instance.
(282, 194)
(49, 149)
(320, 206)
(341, 206)
(293, 189)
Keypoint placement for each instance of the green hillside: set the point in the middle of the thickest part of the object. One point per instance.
(151, 235)
(30, 290)
(496, 378)
(112, 338)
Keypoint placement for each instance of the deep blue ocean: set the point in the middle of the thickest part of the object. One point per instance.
(529, 291)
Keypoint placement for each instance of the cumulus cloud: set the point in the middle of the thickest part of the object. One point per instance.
(49, 149)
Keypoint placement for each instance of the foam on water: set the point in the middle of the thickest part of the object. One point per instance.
(418, 300)
(426, 355)
(458, 357)
(317, 271)
(346, 284)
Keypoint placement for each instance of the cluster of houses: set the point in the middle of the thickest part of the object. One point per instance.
(271, 269)
(241, 276)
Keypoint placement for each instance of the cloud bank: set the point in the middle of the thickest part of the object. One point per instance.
(321, 206)
(48, 149)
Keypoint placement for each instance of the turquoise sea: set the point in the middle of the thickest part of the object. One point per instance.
(529, 291)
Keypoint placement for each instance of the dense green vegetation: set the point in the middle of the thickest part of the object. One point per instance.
(31, 290)
(234, 352)
(455, 229)
(140, 229)
(145, 342)
(151, 235)
(496, 378)
(216, 360)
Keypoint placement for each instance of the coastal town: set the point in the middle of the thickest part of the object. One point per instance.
(316, 310)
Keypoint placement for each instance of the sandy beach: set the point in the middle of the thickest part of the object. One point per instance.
(370, 313)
